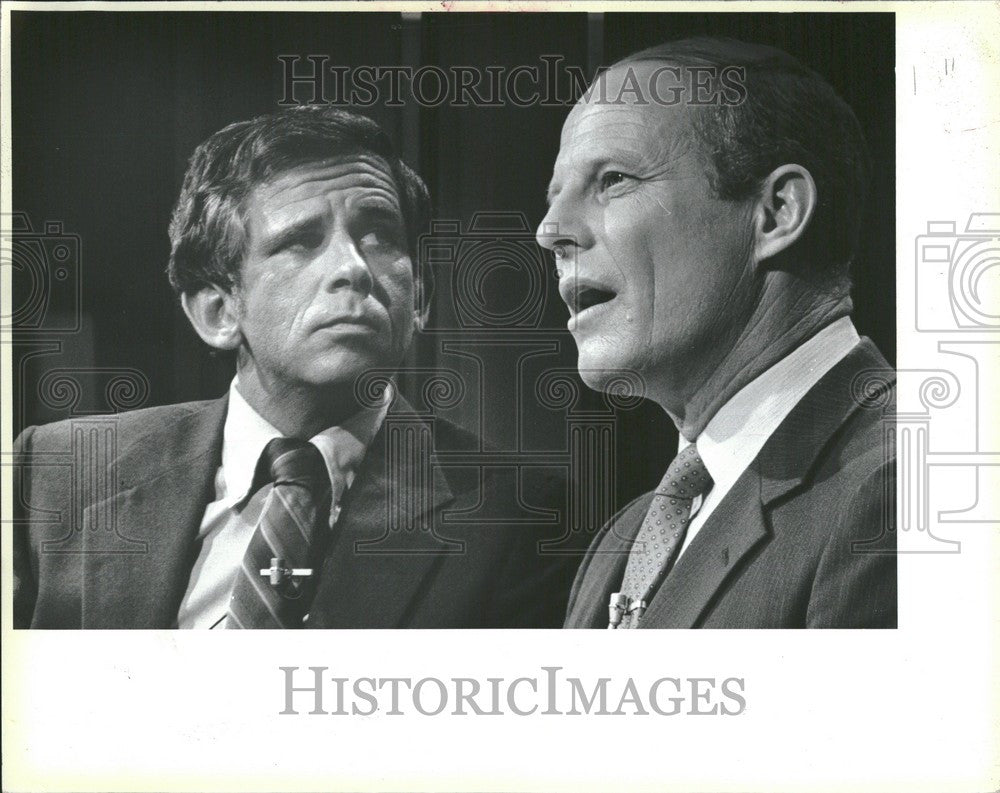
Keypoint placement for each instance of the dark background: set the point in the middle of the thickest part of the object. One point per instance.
(107, 107)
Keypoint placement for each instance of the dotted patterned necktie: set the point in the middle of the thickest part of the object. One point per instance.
(276, 581)
(661, 536)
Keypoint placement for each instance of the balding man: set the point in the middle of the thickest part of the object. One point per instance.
(704, 211)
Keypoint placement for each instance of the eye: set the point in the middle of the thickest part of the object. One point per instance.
(384, 236)
(299, 242)
(611, 178)
(378, 228)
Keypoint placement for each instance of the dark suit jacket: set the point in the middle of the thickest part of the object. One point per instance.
(805, 537)
(100, 546)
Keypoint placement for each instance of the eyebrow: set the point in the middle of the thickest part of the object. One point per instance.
(275, 240)
(379, 207)
(592, 166)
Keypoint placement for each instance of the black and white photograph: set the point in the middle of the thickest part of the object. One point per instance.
(345, 319)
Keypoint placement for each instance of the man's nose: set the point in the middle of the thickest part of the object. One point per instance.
(561, 232)
(346, 267)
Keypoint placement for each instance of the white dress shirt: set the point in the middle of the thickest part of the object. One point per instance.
(229, 521)
(739, 430)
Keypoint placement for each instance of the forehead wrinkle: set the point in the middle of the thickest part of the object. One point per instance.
(374, 197)
(344, 173)
(303, 193)
(596, 114)
(649, 149)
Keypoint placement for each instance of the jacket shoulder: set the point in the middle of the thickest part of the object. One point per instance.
(129, 426)
(449, 436)
(860, 447)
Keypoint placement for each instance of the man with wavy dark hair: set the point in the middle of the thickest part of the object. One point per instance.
(304, 497)
(704, 210)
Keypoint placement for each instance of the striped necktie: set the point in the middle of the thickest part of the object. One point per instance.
(658, 542)
(277, 579)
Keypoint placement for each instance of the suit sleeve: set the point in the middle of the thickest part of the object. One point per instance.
(855, 583)
(25, 583)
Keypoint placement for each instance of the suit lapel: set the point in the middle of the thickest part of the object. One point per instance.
(732, 531)
(386, 541)
(606, 568)
(167, 476)
(784, 464)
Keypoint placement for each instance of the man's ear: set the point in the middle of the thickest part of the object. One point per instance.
(214, 314)
(786, 203)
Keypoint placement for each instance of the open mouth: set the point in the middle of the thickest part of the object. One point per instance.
(581, 296)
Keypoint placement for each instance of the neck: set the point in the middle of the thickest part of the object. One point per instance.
(782, 321)
(297, 411)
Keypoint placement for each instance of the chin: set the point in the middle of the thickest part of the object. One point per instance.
(342, 371)
(602, 367)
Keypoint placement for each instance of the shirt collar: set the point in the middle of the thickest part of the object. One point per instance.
(738, 431)
(246, 433)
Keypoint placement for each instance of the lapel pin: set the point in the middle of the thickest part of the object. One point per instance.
(616, 609)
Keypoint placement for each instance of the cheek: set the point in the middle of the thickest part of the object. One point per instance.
(702, 249)
(629, 230)
(399, 286)
(640, 244)
(271, 314)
